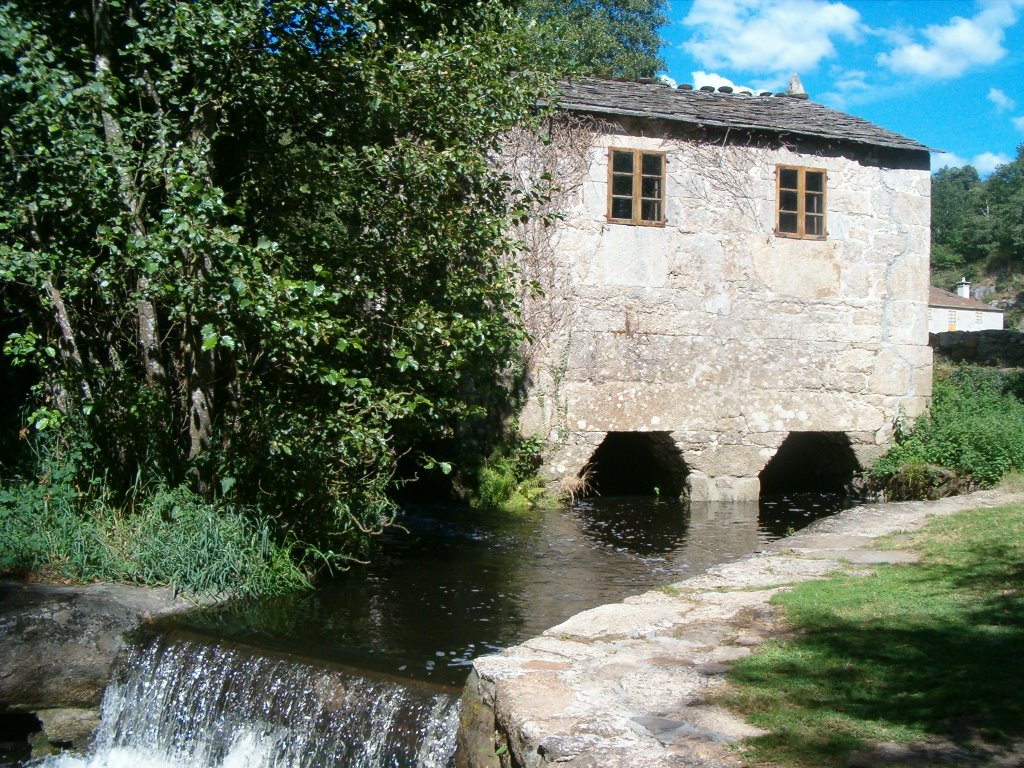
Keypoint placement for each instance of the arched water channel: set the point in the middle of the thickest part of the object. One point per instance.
(365, 672)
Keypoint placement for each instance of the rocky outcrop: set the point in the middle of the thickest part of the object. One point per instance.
(625, 684)
(59, 643)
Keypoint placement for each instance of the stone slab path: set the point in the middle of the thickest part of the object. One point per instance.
(624, 684)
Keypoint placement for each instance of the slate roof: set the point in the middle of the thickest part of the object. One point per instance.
(771, 114)
(947, 300)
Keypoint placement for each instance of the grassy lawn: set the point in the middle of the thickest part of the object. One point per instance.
(932, 652)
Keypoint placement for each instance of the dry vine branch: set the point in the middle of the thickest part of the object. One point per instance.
(548, 169)
(724, 164)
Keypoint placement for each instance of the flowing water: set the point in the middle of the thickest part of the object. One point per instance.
(365, 671)
(178, 701)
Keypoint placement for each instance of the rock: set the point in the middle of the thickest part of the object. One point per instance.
(58, 643)
(563, 749)
(69, 727)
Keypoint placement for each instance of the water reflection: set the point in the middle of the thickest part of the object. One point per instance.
(458, 583)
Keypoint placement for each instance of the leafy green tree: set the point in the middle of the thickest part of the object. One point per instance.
(609, 38)
(1004, 194)
(257, 247)
(954, 204)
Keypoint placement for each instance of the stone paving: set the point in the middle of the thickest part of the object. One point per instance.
(624, 684)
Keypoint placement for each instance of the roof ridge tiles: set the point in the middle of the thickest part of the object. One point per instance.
(780, 113)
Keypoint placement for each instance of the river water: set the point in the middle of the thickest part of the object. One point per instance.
(365, 671)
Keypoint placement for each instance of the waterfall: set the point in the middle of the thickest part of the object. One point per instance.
(185, 702)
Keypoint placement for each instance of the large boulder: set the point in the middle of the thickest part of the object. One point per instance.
(59, 643)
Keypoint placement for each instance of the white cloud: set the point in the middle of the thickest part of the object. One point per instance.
(951, 49)
(985, 163)
(947, 160)
(1003, 102)
(1018, 123)
(667, 81)
(701, 78)
(777, 36)
(846, 84)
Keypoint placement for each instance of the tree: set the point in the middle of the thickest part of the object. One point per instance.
(1004, 192)
(613, 38)
(258, 247)
(956, 198)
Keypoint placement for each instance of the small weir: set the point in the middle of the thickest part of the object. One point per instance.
(180, 702)
(366, 671)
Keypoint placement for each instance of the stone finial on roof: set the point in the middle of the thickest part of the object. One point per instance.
(796, 88)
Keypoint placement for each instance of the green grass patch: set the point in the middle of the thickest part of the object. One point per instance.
(905, 654)
(170, 538)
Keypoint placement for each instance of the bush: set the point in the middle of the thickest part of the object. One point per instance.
(975, 428)
(508, 479)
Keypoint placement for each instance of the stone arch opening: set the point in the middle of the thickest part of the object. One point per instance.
(811, 462)
(636, 464)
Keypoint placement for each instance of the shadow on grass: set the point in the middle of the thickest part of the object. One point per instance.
(934, 651)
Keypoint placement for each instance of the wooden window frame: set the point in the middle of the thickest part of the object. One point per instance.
(802, 196)
(636, 197)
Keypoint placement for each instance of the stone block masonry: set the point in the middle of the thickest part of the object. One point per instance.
(991, 347)
(717, 330)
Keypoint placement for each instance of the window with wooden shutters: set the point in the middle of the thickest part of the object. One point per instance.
(636, 187)
(800, 202)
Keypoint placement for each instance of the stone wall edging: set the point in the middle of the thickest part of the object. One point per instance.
(623, 685)
(992, 347)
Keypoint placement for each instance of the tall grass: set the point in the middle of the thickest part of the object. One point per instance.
(169, 537)
(974, 431)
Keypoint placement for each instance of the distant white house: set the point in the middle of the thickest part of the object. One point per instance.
(949, 311)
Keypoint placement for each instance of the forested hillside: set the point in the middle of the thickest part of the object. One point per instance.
(978, 232)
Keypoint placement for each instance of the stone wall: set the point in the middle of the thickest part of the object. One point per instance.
(727, 337)
(992, 347)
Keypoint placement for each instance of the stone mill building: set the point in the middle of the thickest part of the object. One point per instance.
(736, 292)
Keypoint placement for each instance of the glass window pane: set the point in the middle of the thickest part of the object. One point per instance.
(814, 182)
(788, 178)
(652, 165)
(622, 162)
(812, 203)
(812, 225)
(787, 200)
(787, 222)
(622, 185)
(622, 208)
(650, 210)
(651, 187)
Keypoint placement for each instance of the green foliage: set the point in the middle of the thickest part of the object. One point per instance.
(904, 654)
(608, 38)
(508, 479)
(173, 538)
(258, 249)
(978, 225)
(975, 427)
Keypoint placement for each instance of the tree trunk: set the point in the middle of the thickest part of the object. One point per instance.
(147, 321)
(68, 345)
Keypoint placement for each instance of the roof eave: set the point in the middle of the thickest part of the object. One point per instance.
(649, 115)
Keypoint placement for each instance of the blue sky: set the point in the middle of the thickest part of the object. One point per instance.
(949, 73)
